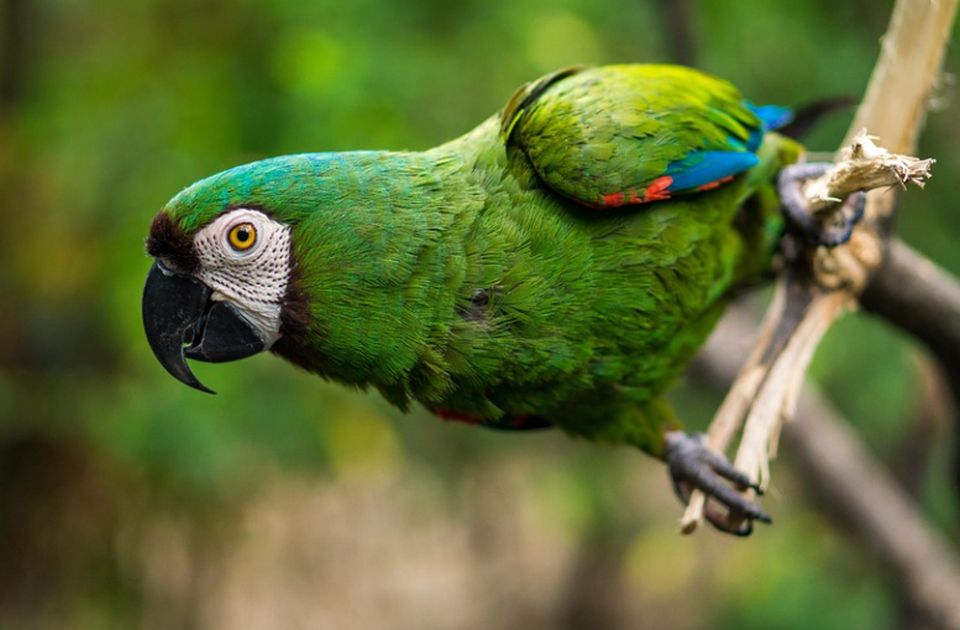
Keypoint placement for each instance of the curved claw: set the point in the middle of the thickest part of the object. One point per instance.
(789, 185)
(729, 523)
(692, 464)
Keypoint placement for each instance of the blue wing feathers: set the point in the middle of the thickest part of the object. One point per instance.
(705, 167)
(702, 168)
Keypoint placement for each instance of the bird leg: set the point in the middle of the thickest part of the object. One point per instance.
(796, 207)
(692, 465)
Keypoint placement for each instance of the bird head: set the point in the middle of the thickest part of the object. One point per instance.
(223, 283)
(317, 257)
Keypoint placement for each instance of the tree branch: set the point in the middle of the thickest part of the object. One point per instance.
(857, 488)
(862, 492)
(914, 294)
(864, 166)
(817, 286)
(676, 16)
(911, 292)
(813, 291)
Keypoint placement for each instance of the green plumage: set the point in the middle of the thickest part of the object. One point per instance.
(476, 278)
(614, 129)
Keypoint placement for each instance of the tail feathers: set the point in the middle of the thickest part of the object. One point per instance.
(772, 116)
(807, 117)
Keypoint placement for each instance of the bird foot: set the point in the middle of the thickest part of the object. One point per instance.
(692, 465)
(795, 208)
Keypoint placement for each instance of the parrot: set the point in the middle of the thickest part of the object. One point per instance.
(557, 266)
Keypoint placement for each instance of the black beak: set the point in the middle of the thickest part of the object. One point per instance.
(182, 321)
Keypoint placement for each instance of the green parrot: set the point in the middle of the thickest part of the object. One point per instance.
(559, 265)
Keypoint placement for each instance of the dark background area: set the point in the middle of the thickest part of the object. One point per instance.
(127, 499)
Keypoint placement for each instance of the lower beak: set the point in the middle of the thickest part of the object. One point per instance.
(182, 321)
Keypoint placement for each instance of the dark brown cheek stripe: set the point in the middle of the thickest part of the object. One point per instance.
(295, 325)
(168, 241)
(295, 307)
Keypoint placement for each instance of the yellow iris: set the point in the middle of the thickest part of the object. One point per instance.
(242, 236)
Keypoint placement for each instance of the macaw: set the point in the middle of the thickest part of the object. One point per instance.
(559, 265)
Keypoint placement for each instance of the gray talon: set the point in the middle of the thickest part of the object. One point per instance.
(795, 206)
(692, 465)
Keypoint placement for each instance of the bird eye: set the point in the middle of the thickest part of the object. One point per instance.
(242, 236)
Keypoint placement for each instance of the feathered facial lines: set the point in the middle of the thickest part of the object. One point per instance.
(244, 257)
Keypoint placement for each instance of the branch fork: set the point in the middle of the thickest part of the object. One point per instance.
(816, 287)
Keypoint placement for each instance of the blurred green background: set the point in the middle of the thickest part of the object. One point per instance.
(127, 499)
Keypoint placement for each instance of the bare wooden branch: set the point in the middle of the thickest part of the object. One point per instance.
(865, 494)
(765, 393)
(863, 165)
(677, 25)
(857, 488)
(906, 74)
(818, 288)
(913, 293)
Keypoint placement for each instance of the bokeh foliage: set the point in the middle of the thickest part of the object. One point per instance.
(108, 108)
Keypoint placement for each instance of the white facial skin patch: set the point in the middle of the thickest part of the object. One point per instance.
(245, 260)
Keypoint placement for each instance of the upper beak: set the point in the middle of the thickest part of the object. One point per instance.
(182, 321)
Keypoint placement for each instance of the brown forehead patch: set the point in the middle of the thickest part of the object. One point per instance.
(168, 241)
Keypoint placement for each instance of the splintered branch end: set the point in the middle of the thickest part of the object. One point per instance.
(863, 165)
